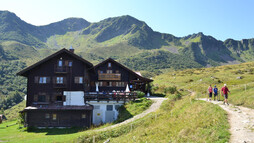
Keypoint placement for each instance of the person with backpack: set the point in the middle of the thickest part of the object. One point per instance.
(210, 92)
(225, 91)
(215, 92)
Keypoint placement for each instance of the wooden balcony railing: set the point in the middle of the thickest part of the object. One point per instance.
(109, 76)
(110, 96)
(62, 69)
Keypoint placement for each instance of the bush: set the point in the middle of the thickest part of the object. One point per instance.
(170, 90)
(140, 94)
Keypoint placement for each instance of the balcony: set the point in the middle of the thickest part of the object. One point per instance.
(62, 69)
(114, 96)
(109, 76)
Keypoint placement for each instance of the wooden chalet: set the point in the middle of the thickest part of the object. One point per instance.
(61, 88)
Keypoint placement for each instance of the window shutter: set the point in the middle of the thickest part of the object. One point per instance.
(54, 79)
(66, 63)
(47, 98)
(76, 80)
(104, 83)
(36, 79)
(48, 80)
(64, 98)
(36, 98)
(64, 80)
(113, 83)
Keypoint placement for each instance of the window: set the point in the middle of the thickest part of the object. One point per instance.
(120, 84)
(83, 116)
(109, 107)
(43, 80)
(47, 116)
(41, 98)
(59, 80)
(59, 98)
(54, 116)
(109, 65)
(78, 80)
(60, 63)
(109, 71)
(96, 106)
(70, 64)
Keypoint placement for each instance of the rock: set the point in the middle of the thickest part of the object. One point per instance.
(239, 77)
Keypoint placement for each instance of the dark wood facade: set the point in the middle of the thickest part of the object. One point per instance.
(59, 118)
(112, 76)
(65, 71)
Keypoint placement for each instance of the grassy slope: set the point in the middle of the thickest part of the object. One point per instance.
(13, 134)
(13, 113)
(199, 79)
(186, 120)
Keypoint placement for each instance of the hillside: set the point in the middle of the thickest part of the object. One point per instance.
(239, 79)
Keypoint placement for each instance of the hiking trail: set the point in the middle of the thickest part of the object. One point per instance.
(155, 106)
(241, 120)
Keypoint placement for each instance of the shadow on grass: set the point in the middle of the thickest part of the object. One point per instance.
(56, 131)
(124, 114)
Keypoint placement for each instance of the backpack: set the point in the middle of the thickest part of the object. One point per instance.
(215, 90)
(210, 89)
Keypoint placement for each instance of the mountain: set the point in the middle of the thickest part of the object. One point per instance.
(123, 38)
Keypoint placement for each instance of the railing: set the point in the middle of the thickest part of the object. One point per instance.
(115, 96)
(62, 69)
(109, 76)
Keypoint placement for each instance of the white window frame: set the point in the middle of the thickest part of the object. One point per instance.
(60, 63)
(80, 80)
(70, 64)
(43, 80)
(59, 80)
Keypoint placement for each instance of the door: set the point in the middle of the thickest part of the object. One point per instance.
(97, 115)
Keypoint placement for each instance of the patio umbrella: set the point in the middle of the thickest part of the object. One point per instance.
(97, 86)
(127, 89)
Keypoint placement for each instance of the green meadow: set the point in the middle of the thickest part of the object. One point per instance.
(239, 79)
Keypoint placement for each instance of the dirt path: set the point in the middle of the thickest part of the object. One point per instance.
(241, 121)
(155, 106)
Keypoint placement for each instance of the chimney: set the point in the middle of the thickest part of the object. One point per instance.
(71, 49)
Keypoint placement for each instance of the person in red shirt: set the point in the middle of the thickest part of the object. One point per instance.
(225, 92)
(210, 92)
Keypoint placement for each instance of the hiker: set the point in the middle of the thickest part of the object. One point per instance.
(225, 91)
(215, 92)
(210, 92)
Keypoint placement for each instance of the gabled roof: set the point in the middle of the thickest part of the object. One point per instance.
(24, 71)
(124, 67)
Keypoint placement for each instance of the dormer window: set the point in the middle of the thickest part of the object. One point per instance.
(70, 64)
(109, 65)
(60, 63)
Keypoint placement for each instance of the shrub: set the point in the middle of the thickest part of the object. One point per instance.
(140, 94)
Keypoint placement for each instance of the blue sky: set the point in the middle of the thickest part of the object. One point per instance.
(221, 19)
